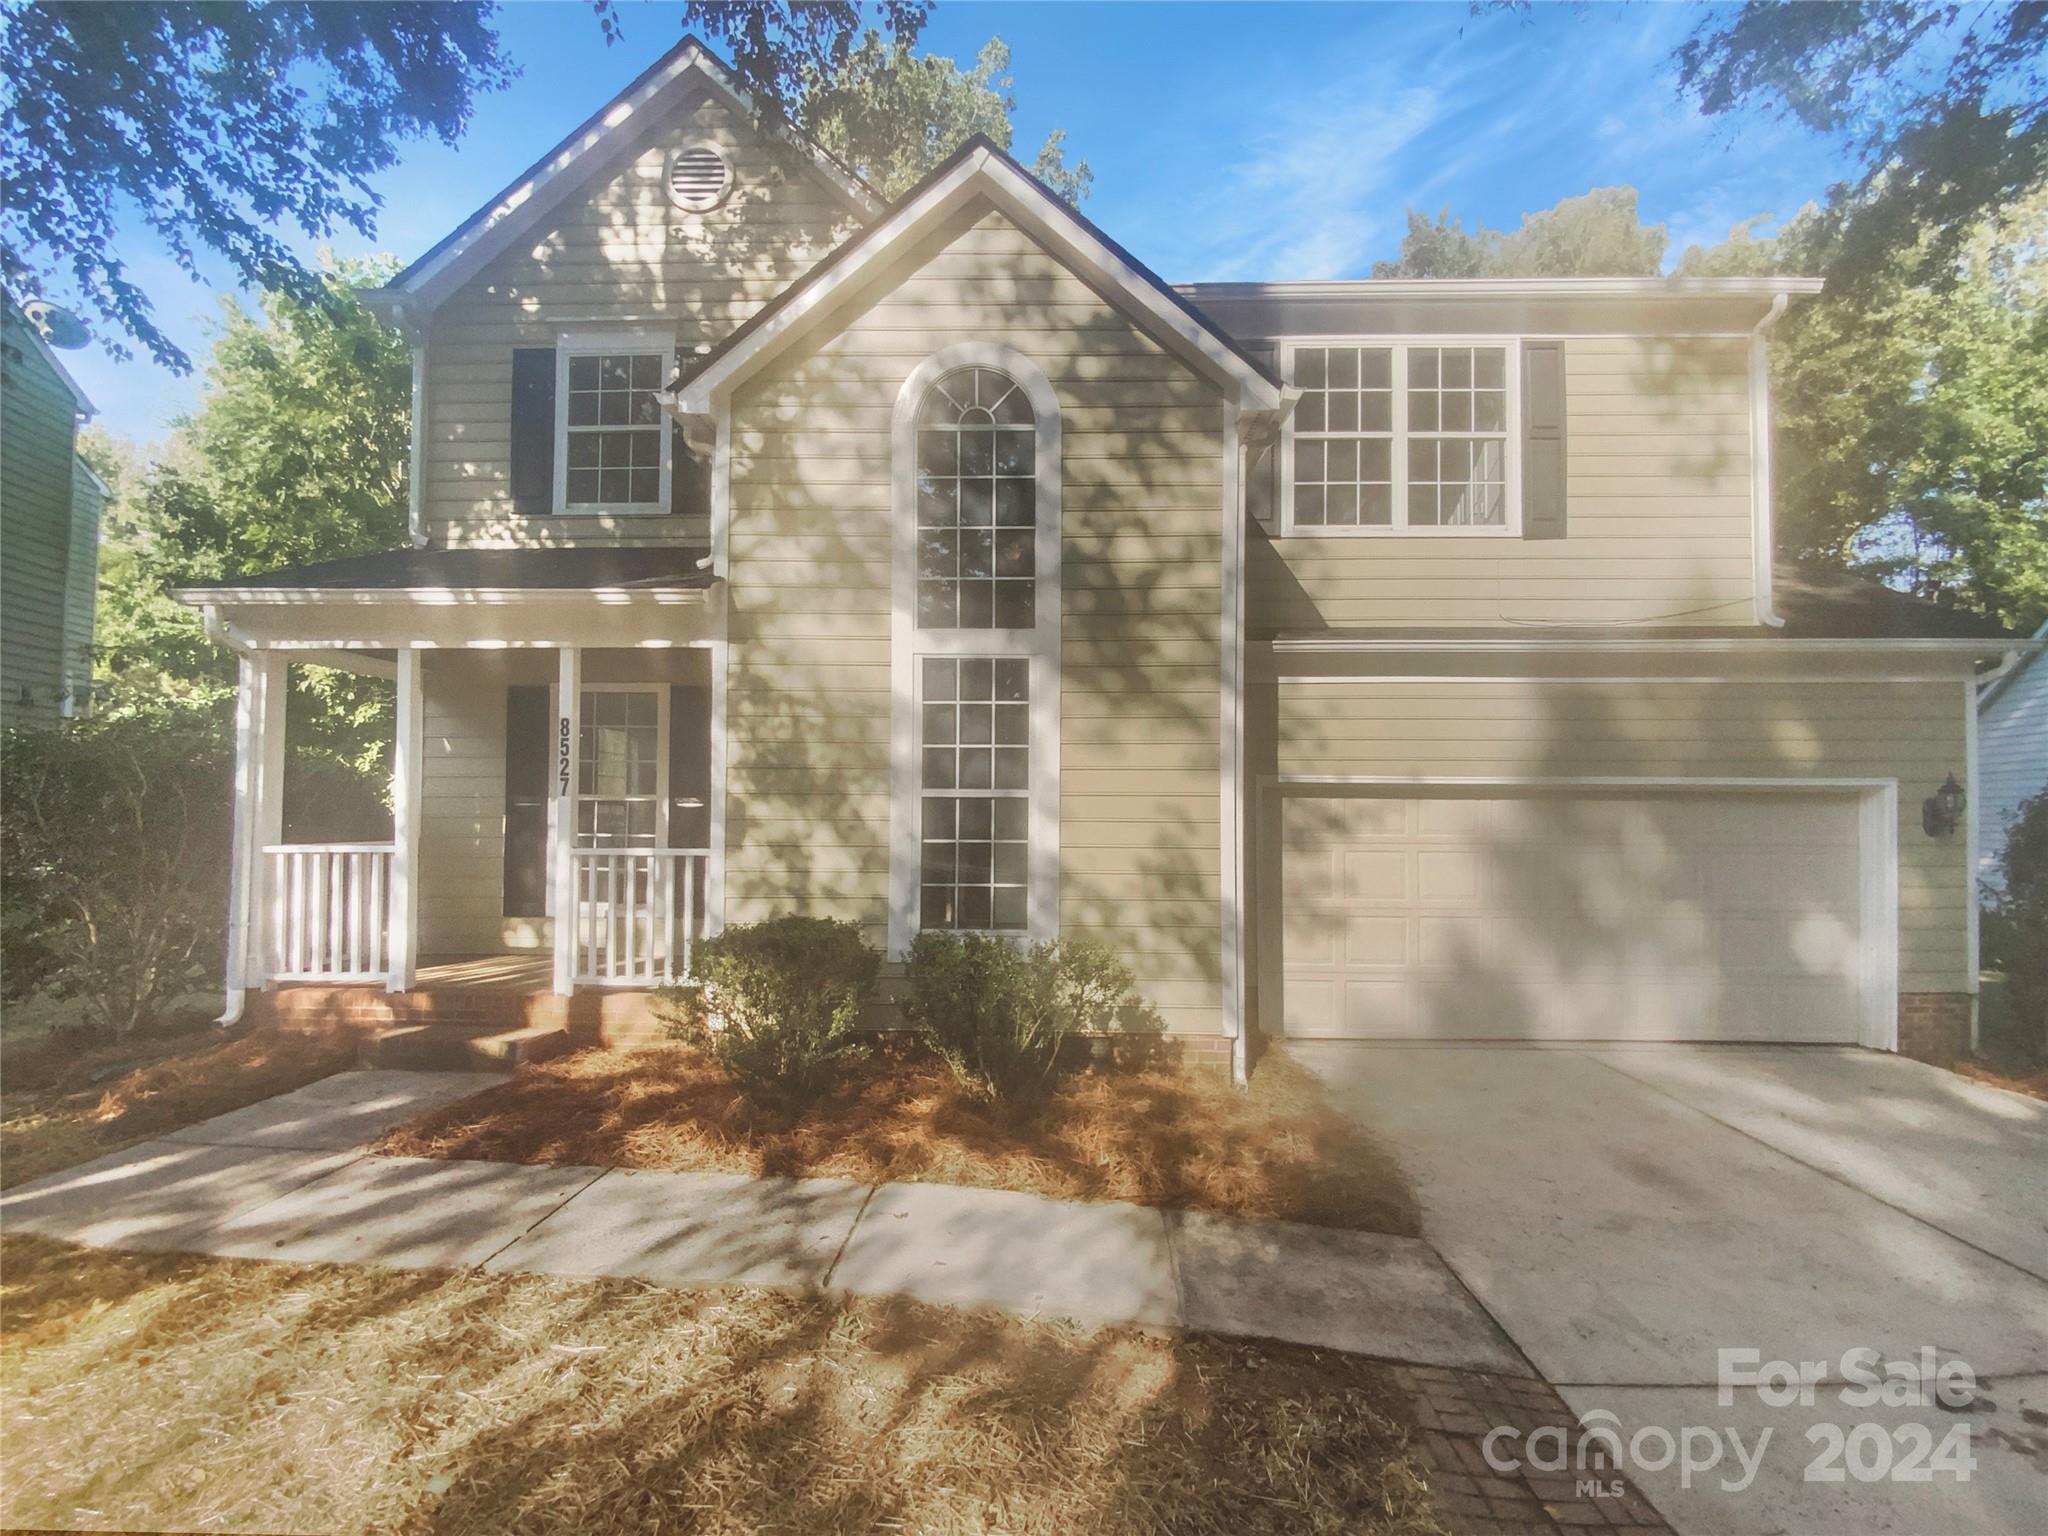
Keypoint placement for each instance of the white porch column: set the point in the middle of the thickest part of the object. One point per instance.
(408, 754)
(568, 731)
(258, 818)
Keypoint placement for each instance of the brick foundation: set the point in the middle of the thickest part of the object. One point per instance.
(1934, 1026)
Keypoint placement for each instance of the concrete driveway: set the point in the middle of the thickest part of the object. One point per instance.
(1628, 1213)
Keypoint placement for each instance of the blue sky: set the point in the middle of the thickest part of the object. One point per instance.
(1228, 141)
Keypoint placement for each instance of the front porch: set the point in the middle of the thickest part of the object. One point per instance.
(555, 807)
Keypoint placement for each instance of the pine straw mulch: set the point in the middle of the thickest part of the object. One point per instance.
(175, 1392)
(2033, 1082)
(1155, 1135)
(66, 1101)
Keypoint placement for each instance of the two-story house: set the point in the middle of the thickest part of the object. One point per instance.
(1383, 659)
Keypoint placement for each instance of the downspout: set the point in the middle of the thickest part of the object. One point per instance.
(1763, 514)
(416, 475)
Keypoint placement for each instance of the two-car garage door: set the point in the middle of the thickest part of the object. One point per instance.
(1682, 916)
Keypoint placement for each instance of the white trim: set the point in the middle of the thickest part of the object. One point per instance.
(1231, 747)
(721, 490)
(714, 868)
(1877, 852)
(416, 466)
(579, 343)
(907, 642)
(1642, 641)
(983, 173)
(438, 597)
(258, 817)
(542, 187)
(1296, 679)
(562, 796)
(1763, 538)
(407, 764)
(1398, 437)
(1973, 851)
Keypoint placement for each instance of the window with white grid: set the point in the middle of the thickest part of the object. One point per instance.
(974, 746)
(613, 441)
(976, 504)
(1402, 436)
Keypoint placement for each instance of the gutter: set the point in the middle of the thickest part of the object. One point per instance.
(1338, 645)
(1763, 536)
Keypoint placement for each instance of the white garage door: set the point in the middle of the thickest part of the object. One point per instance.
(1680, 917)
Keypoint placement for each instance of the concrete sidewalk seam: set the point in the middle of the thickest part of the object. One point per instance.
(550, 1215)
(866, 1200)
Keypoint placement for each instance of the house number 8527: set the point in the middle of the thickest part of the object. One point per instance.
(562, 759)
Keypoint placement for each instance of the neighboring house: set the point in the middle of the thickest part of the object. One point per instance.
(1386, 659)
(50, 503)
(2012, 754)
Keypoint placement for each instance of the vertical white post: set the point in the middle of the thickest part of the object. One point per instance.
(568, 731)
(258, 818)
(402, 953)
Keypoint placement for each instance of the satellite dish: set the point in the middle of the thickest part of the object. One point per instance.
(61, 328)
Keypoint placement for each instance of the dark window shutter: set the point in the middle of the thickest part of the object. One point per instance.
(689, 766)
(527, 736)
(533, 431)
(1543, 440)
(689, 485)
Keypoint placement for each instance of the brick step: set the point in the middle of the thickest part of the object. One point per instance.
(459, 1048)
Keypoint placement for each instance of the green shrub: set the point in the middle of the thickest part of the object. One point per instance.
(999, 1014)
(779, 1005)
(2016, 929)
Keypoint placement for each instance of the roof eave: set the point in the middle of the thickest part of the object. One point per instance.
(423, 284)
(979, 170)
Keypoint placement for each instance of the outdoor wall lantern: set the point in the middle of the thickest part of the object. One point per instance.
(1941, 811)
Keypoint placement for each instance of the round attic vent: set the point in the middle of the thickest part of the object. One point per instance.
(699, 176)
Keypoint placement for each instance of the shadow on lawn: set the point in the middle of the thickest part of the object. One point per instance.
(190, 1392)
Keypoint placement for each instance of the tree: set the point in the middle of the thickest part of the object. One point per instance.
(1944, 107)
(298, 452)
(892, 115)
(215, 125)
(221, 125)
(1599, 231)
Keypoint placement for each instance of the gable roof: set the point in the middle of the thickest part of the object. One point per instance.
(543, 185)
(979, 169)
(18, 320)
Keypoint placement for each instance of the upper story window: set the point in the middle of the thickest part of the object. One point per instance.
(977, 503)
(612, 441)
(1402, 437)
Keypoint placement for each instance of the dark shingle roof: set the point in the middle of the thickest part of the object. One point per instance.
(1822, 602)
(649, 566)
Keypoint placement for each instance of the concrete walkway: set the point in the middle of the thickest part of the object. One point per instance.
(288, 1179)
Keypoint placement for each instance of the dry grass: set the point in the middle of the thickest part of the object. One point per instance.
(64, 1104)
(168, 1392)
(1155, 1135)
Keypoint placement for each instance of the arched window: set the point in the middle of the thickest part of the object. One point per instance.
(975, 647)
(977, 503)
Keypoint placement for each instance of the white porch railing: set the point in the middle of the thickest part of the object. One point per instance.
(637, 920)
(329, 911)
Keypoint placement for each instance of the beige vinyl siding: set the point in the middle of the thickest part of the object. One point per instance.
(808, 701)
(462, 783)
(1657, 486)
(619, 256)
(1752, 727)
(37, 432)
(462, 796)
